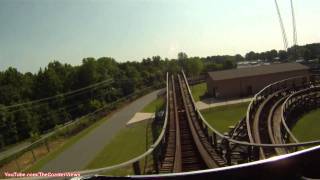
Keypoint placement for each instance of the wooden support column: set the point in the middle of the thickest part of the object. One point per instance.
(47, 145)
(34, 157)
(206, 131)
(17, 163)
(215, 141)
(136, 168)
(249, 150)
(228, 153)
(155, 156)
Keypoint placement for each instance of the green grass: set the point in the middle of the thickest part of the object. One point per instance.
(154, 105)
(222, 117)
(128, 143)
(307, 128)
(198, 90)
(43, 161)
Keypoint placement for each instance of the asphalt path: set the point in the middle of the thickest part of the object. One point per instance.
(77, 156)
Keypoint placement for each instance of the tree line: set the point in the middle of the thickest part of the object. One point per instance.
(53, 104)
(306, 52)
(108, 80)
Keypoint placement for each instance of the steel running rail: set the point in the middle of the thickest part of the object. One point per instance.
(245, 142)
(267, 168)
(284, 107)
(257, 98)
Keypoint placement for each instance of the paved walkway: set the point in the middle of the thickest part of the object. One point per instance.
(213, 102)
(82, 152)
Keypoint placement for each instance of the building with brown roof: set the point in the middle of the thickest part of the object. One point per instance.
(248, 81)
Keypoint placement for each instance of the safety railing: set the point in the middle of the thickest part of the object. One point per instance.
(291, 84)
(230, 148)
(138, 163)
(296, 100)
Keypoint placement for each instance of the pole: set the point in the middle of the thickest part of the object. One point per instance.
(284, 36)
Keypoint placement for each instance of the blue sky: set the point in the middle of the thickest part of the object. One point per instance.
(35, 32)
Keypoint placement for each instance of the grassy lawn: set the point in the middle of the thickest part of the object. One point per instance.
(222, 117)
(68, 142)
(198, 90)
(128, 143)
(307, 128)
(154, 105)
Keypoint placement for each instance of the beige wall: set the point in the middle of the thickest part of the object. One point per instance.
(239, 87)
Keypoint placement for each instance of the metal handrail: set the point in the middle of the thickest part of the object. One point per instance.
(222, 169)
(283, 109)
(256, 96)
(138, 158)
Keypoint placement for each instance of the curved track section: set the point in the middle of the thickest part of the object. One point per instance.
(203, 143)
(275, 124)
(264, 120)
(260, 126)
(187, 148)
(297, 104)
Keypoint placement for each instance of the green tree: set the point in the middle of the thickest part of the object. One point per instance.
(271, 55)
(3, 127)
(239, 58)
(107, 68)
(94, 105)
(228, 64)
(212, 67)
(307, 55)
(283, 55)
(251, 56)
(183, 60)
(11, 87)
(47, 118)
(194, 66)
(47, 83)
(11, 135)
(172, 66)
(87, 73)
(127, 86)
(262, 56)
(182, 56)
(22, 118)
